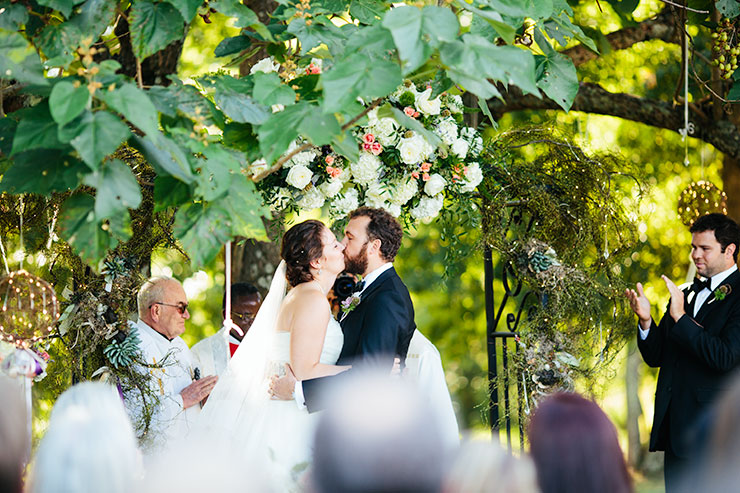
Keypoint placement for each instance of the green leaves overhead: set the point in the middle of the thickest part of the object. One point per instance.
(417, 32)
(94, 17)
(135, 105)
(166, 157)
(116, 189)
(728, 8)
(269, 90)
(202, 230)
(358, 76)
(154, 26)
(232, 96)
(67, 101)
(63, 6)
(556, 75)
(36, 130)
(19, 60)
(187, 8)
(42, 171)
(95, 135)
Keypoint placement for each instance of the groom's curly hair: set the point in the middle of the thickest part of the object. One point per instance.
(383, 227)
(301, 245)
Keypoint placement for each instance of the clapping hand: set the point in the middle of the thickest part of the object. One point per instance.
(640, 305)
(676, 309)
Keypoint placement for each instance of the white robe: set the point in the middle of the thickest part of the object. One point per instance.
(424, 364)
(212, 354)
(170, 422)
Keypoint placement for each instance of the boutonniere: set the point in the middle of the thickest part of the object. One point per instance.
(721, 292)
(350, 303)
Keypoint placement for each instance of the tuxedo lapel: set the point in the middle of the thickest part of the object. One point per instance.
(712, 302)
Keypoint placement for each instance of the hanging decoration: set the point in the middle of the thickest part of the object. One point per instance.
(29, 308)
(698, 199)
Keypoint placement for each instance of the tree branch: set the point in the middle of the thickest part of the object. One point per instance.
(662, 26)
(592, 98)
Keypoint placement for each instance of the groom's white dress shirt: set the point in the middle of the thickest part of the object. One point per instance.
(715, 281)
(170, 422)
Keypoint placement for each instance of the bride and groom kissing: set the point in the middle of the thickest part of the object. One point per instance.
(296, 331)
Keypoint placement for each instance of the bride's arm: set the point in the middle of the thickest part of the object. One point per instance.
(308, 328)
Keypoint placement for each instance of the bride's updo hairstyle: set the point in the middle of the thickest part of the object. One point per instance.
(301, 246)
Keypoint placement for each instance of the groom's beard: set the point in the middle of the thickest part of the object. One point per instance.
(358, 263)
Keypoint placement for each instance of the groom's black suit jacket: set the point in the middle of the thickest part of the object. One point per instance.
(377, 330)
(696, 356)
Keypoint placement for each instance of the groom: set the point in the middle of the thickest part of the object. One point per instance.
(380, 327)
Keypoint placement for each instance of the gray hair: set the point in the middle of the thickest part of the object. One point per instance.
(151, 292)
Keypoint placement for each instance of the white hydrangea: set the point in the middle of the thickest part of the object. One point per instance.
(435, 184)
(265, 65)
(393, 209)
(376, 195)
(304, 158)
(282, 198)
(365, 170)
(401, 90)
(345, 175)
(455, 103)
(299, 176)
(345, 203)
(460, 148)
(474, 140)
(473, 177)
(428, 207)
(403, 190)
(312, 199)
(331, 187)
(447, 130)
(258, 167)
(385, 131)
(427, 106)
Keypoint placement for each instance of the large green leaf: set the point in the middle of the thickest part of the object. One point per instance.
(346, 145)
(233, 97)
(417, 32)
(320, 129)
(414, 125)
(13, 16)
(187, 8)
(219, 168)
(358, 76)
(269, 90)
(89, 238)
(135, 105)
(153, 27)
(371, 40)
(170, 192)
(202, 230)
(166, 157)
(493, 18)
(19, 60)
(42, 171)
(63, 6)
(320, 31)
(728, 8)
(243, 203)
(235, 44)
(116, 189)
(97, 135)
(37, 129)
(367, 11)
(276, 134)
(244, 16)
(536, 9)
(59, 42)
(556, 75)
(8, 127)
(562, 29)
(66, 101)
(94, 17)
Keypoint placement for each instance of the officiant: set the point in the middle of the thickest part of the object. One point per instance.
(696, 345)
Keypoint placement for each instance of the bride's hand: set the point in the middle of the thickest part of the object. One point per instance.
(281, 388)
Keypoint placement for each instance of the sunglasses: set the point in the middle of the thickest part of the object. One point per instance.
(244, 317)
(181, 307)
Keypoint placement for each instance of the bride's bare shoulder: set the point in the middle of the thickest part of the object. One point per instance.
(304, 297)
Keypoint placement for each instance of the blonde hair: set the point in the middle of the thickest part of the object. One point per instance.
(152, 291)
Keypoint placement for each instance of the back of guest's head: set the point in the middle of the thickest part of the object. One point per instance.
(13, 436)
(574, 446)
(485, 467)
(302, 244)
(726, 231)
(377, 435)
(89, 445)
(383, 227)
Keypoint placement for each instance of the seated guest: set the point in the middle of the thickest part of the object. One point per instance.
(89, 446)
(213, 353)
(424, 366)
(13, 436)
(722, 456)
(377, 434)
(163, 309)
(575, 448)
(484, 467)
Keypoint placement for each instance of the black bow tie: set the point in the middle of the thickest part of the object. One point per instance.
(698, 284)
(359, 287)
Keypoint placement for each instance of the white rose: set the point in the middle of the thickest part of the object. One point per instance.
(258, 167)
(393, 209)
(424, 105)
(365, 170)
(434, 185)
(331, 188)
(428, 207)
(299, 176)
(460, 148)
(473, 178)
(447, 130)
(312, 199)
(412, 149)
(376, 195)
(404, 190)
(265, 65)
(455, 103)
(302, 158)
(345, 203)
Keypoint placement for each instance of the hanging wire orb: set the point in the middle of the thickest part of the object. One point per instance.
(700, 198)
(29, 308)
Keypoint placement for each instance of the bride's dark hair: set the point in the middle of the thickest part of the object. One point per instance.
(301, 246)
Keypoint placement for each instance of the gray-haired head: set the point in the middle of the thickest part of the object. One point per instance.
(151, 292)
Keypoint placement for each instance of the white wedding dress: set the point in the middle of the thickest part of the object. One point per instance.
(239, 416)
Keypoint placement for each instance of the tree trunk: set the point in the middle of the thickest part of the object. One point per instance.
(634, 410)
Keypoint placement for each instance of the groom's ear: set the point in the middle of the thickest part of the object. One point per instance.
(375, 246)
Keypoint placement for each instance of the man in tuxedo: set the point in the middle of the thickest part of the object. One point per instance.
(696, 344)
(379, 328)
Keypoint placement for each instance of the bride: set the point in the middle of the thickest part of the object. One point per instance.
(296, 328)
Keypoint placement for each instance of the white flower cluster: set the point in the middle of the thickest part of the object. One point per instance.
(265, 65)
(403, 170)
